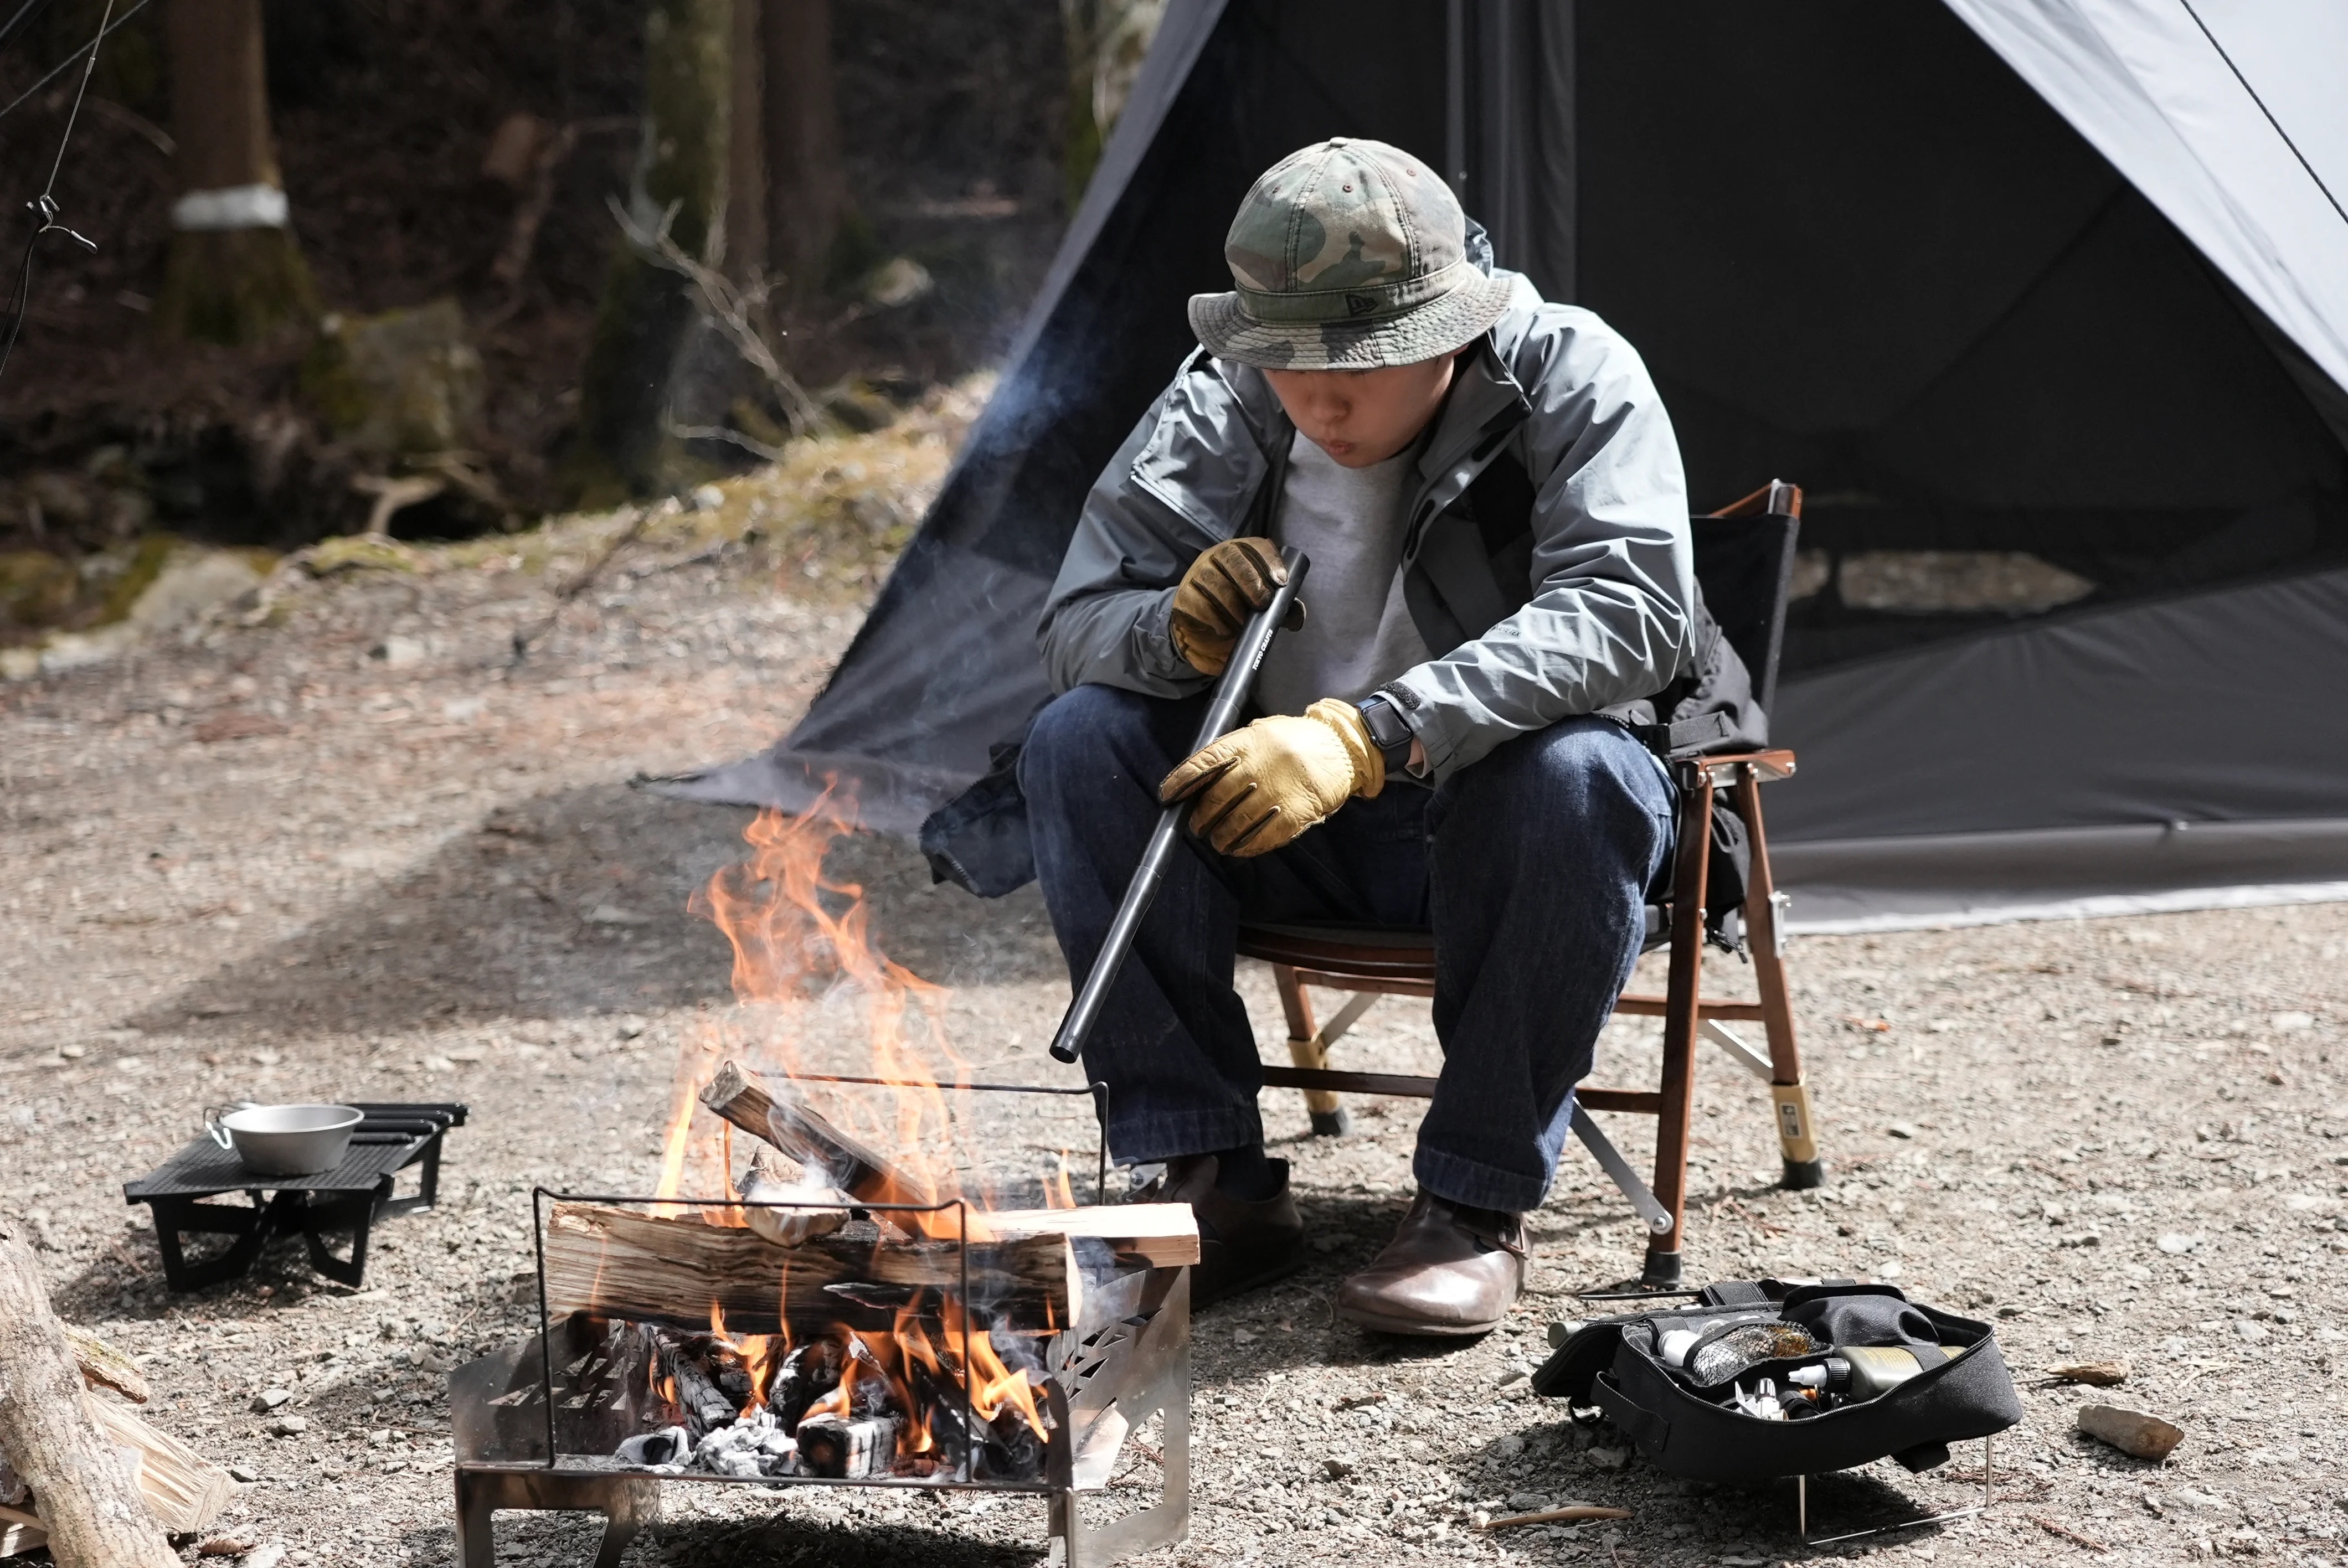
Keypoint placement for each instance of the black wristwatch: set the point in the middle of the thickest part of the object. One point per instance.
(1388, 731)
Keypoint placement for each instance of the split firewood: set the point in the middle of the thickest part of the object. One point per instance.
(184, 1490)
(766, 1183)
(88, 1499)
(20, 1530)
(1162, 1236)
(614, 1262)
(782, 1117)
(103, 1366)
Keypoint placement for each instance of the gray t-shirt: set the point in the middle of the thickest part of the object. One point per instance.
(1358, 634)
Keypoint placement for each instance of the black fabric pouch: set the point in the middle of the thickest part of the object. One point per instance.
(1616, 1364)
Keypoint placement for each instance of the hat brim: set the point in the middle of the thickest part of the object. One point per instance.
(1422, 332)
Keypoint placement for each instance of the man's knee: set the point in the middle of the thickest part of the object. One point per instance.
(1085, 734)
(1579, 777)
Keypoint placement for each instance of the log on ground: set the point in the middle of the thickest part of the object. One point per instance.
(83, 1490)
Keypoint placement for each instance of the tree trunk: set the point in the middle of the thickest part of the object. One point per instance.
(747, 259)
(649, 341)
(82, 1489)
(234, 275)
(806, 189)
(1105, 42)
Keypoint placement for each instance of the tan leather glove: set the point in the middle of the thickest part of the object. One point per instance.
(1225, 584)
(1260, 787)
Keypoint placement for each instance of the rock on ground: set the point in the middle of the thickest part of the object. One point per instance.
(303, 860)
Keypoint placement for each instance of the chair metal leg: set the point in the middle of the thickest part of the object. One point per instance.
(1796, 1120)
(1680, 996)
(1307, 1049)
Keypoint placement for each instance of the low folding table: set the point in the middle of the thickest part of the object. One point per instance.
(344, 1201)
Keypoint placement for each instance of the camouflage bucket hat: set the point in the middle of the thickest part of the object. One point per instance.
(1349, 255)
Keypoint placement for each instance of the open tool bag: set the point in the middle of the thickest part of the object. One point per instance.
(1764, 1379)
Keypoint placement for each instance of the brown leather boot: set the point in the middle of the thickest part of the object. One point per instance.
(1448, 1270)
(1242, 1244)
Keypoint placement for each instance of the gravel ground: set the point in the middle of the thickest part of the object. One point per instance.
(352, 854)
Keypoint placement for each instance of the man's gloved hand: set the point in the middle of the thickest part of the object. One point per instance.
(1224, 586)
(1260, 787)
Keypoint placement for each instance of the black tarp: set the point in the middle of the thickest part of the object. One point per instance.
(1861, 250)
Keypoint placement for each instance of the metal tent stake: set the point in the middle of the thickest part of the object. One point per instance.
(1232, 693)
(1802, 1509)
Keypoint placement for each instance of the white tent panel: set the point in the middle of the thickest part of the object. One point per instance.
(2155, 94)
(2292, 53)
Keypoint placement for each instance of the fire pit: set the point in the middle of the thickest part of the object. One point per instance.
(875, 1336)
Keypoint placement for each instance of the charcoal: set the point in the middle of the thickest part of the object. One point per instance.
(706, 1409)
(668, 1446)
(939, 1399)
(872, 1394)
(846, 1449)
(808, 1373)
(1010, 1449)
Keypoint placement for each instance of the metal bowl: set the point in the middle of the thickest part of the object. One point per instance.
(288, 1140)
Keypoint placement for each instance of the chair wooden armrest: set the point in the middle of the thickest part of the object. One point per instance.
(1776, 498)
(1768, 766)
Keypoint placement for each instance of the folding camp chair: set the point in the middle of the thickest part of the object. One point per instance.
(1744, 562)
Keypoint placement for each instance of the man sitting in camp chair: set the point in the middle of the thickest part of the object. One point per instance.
(1491, 498)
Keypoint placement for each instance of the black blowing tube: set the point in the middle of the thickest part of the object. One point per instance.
(1232, 693)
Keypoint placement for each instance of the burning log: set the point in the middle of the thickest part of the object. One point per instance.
(784, 1119)
(1160, 1235)
(50, 1434)
(788, 1227)
(614, 1262)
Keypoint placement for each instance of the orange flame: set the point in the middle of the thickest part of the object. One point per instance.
(801, 937)
(801, 941)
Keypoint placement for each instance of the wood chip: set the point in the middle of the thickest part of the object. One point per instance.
(1572, 1513)
(2056, 1528)
(237, 726)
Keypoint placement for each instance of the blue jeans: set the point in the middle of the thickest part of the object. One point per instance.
(1533, 866)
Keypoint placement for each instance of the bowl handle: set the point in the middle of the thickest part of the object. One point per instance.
(212, 1121)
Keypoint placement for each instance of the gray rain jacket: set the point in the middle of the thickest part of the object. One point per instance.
(1592, 609)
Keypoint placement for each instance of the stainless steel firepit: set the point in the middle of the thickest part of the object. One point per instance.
(595, 1411)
